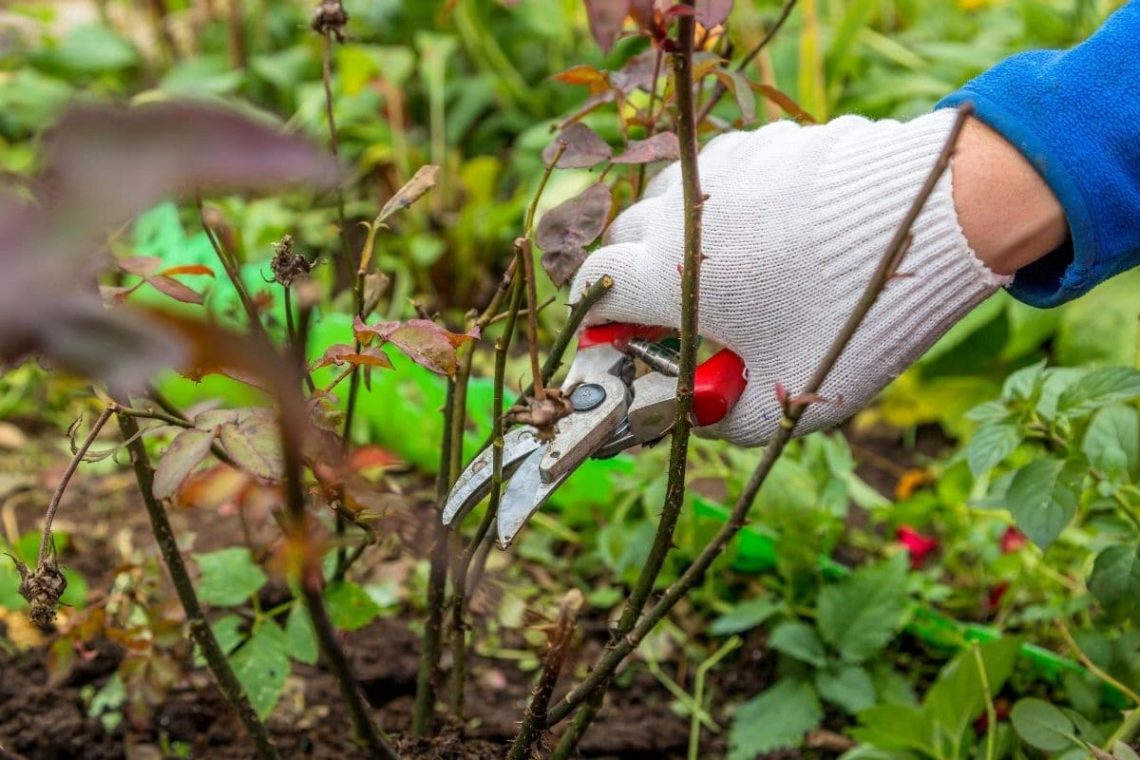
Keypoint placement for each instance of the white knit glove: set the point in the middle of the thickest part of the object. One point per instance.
(796, 220)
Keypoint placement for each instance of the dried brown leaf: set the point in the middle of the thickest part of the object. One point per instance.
(423, 180)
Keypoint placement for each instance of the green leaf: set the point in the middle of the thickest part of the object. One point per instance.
(957, 697)
(798, 640)
(228, 631)
(1099, 387)
(185, 453)
(1025, 382)
(1115, 580)
(862, 613)
(350, 606)
(744, 616)
(1112, 441)
(990, 446)
(1101, 327)
(896, 727)
(262, 665)
(848, 686)
(300, 640)
(90, 49)
(1043, 496)
(229, 577)
(1041, 725)
(777, 718)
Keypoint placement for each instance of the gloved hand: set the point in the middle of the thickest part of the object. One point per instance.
(796, 220)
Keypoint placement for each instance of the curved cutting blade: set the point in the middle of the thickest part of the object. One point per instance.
(524, 495)
(475, 481)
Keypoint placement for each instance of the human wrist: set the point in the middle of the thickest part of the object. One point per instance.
(1007, 212)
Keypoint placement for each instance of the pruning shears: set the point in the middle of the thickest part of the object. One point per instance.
(612, 410)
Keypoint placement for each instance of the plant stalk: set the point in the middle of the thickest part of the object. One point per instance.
(200, 629)
(682, 62)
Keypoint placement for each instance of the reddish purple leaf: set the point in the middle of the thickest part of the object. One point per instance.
(583, 148)
(661, 147)
(637, 73)
(425, 342)
(710, 13)
(144, 266)
(120, 162)
(175, 289)
(606, 19)
(254, 443)
(566, 230)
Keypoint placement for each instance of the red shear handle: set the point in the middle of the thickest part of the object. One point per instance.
(717, 386)
(619, 334)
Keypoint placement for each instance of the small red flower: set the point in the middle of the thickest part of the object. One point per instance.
(917, 545)
(1012, 540)
(995, 596)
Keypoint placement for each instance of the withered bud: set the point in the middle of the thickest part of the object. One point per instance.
(42, 589)
(331, 17)
(286, 264)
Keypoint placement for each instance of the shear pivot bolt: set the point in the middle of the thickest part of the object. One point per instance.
(587, 396)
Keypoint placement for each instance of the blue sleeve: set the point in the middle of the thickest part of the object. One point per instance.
(1075, 115)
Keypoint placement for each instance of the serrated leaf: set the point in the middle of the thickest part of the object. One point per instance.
(799, 641)
(1112, 440)
(1043, 496)
(663, 146)
(957, 697)
(342, 353)
(583, 148)
(423, 180)
(184, 454)
(300, 639)
(990, 446)
(1025, 382)
(262, 666)
(1115, 580)
(848, 686)
(350, 606)
(1041, 725)
(228, 577)
(227, 631)
(862, 613)
(744, 616)
(1101, 386)
(425, 342)
(254, 443)
(564, 232)
(775, 719)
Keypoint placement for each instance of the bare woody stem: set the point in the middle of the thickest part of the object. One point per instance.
(334, 146)
(424, 707)
(888, 264)
(720, 89)
(46, 544)
(290, 414)
(682, 62)
(560, 638)
(463, 564)
(200, 629)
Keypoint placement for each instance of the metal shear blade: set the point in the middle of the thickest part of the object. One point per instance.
(579, 436)
(475, 482)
